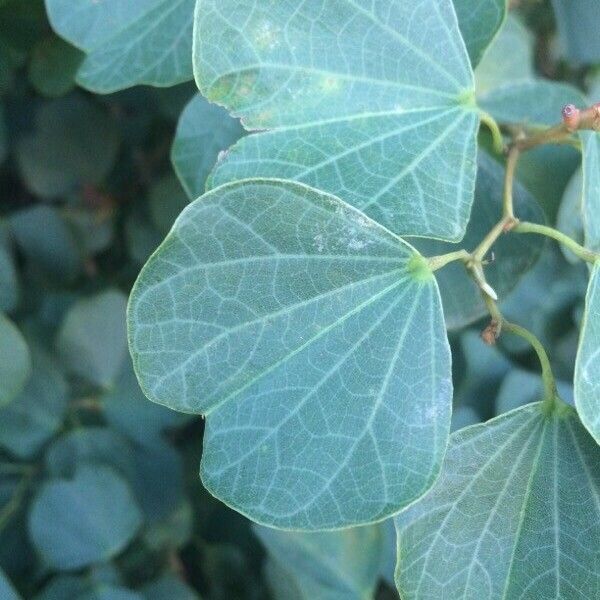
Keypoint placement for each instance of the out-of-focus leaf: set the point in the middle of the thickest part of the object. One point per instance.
(508, 59)
(513, 257)
(479, 22)
(463, 416)
(168, 587)
(9, 283)
(587, 369)
(204, 132)
(129, 42)
(333, 565)
(53, 66)
(590, 198)
(7, 591)
(90, 518)
(570, 217)
(63, 587)
(577, 22)
(15, 361)
(74, 142)
(127, 409)
(47, 241)
(523, 387)
(92, 340)
(167, 199)
(3, 135)
(36, 414)
(109, 592)
(514, 514)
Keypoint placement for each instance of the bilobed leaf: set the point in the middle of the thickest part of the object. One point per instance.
(204, 132)
(90, 518)
(587, 368)
(479, 21)
(514, 256)
(15, 361)
(330, 565)
(373, 103)
(128, 42)
(514, 514)
(312, 338)
(92, 340)
(590, 199)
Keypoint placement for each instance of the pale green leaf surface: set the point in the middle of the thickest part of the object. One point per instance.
(36, 414)
(90, 518)
(515, 514)
(7, 592)
(514, 256)
(570, 217)
(509, 57)
(577, 22)
(370, 103)
(331, 565)
(587, 368)
(92, 340)
(590, 202)
(15, 361)
(314, 340)
(479, 21)
(532, 103)
(128, 42)
(204, 132)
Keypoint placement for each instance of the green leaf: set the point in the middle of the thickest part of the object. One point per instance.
(128, 42)
(167, 199)
(514, 514)
(7, 592)
(359, 120)
(36, 414)
(570, 218)
(587, 382)
(332, 565)
(9, 283)
(53, 66)
(508, 59)
(92, 340)
(45, 238)
(590, 202)
(314, 341)
(3, 136)
(74, 142)
(88, 519)
(168, 587)
(577, 22)
(204, 132)
(15, 361)
(513, 256)
(479, 22)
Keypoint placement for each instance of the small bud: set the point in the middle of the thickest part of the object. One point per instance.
(489, 290)
(490, 334)
(571, 116)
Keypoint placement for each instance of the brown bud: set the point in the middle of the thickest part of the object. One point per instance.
(490, 334)
(571, 116)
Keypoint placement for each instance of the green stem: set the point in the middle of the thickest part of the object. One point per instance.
(565, 240)
(12, 506)
(491, 124)
(437, 262)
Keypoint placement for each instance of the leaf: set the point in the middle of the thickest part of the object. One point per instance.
(44, 237)
(168, 587)
(569, 219)
(358, 120)
(15, 361)
(53, 66)
(92, 340)
(277, 310)
(332, 565)
(7, 592)
(591, 188)
(9, 283)
(74, 142)
(3, 136)
(577, 24)
(204, 132)
(506, 518)
(513, 256)
(587, 367)
(166, 200)
(509, 57)
(36, 414)
(479, 22)
(90, 518)
(128, 42)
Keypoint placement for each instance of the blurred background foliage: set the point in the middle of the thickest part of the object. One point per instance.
(87, 191)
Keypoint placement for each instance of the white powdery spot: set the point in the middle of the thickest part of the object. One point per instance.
(267, 35)
(319, 241)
